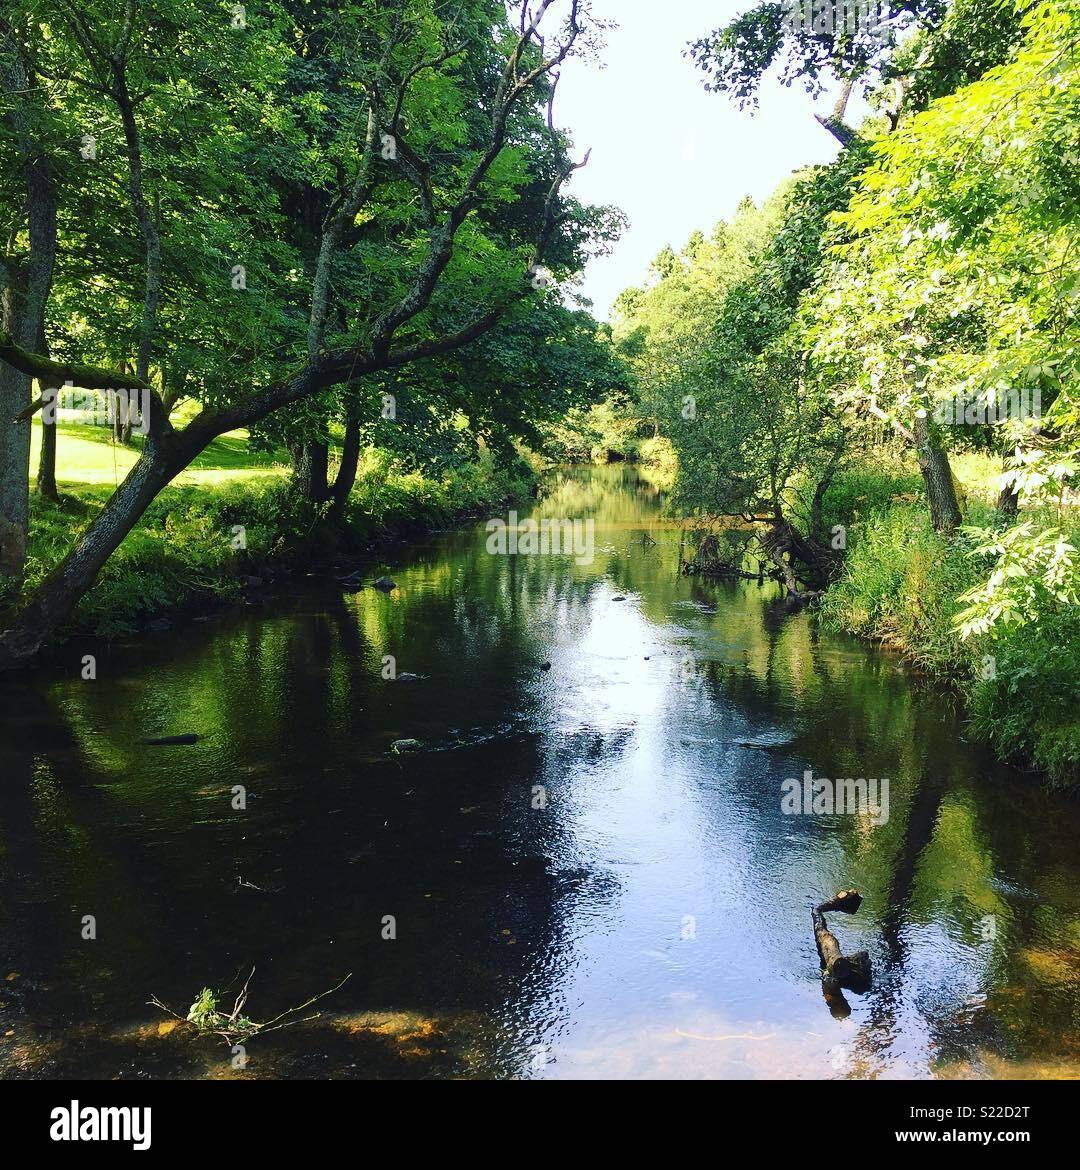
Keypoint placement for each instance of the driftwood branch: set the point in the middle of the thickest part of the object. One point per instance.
(235, 1027)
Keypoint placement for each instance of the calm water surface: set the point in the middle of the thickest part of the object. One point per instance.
(651, 920)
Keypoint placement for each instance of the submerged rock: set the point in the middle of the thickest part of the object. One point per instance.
(383, 583)
(400, 746)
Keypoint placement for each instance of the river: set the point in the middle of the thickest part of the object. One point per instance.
(585, 870)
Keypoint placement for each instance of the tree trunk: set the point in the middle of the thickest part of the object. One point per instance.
(121, 411)
(50, 395)
(25, 295)
(350, 457)
(1008, 501)
(14, 460)
(937, 475)
(817, 507)
(151, 238)
(841, 132)
(46, 473)
(310, 471)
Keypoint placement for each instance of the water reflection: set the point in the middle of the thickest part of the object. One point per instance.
(587, 865)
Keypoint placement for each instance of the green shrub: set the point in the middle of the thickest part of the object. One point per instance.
(1028, 705)
(858, 492)
(901, 583)
(658, 455)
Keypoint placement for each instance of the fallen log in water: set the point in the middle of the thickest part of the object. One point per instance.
(837, 969)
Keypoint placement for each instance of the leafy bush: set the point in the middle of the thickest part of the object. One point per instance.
(658, 455)
(1028, 706)
(859, 491)
(1034, 572)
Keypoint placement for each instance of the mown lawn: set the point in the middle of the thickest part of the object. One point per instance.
(88, 455)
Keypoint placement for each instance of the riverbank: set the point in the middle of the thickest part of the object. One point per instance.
(902, 585)
(208, 544)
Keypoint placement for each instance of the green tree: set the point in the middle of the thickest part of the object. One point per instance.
(292, 239)
(953, 274)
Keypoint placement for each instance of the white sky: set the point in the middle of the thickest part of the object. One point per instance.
(672, 156)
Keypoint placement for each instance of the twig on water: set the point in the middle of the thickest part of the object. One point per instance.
(234, 1027)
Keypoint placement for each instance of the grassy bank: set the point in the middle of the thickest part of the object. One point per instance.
(901, 584)
(233, 516)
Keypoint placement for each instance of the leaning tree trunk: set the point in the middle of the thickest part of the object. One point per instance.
(937, 475)
(59, 593)
(350, 458)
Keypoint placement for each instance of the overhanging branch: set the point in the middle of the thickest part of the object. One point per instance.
(55, 373)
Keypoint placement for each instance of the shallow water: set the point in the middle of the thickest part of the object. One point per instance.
(651, 920)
